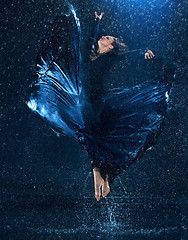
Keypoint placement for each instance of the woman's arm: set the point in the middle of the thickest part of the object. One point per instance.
(91, 39)
(95, 29)
(148, 54)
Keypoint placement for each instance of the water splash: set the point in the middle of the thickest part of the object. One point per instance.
(125, 191)
(85, 183)
(111, 209)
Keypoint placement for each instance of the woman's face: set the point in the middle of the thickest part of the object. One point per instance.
(106, 41)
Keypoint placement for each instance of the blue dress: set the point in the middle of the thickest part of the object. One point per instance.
(115, 127)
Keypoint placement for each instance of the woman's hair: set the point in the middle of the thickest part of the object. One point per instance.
(120, 48)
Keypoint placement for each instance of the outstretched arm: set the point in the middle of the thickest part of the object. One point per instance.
(147, 53)
(95, 29)
(91, 39)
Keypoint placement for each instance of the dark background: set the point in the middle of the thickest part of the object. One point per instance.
(34, 161)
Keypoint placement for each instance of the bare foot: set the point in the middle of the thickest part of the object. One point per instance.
(100, 184)
(105, 187)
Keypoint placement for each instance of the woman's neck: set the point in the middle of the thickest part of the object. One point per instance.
(102, 49)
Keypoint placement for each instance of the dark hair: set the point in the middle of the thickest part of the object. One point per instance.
(119, 47)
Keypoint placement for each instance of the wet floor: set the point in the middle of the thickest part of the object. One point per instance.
(75, 218)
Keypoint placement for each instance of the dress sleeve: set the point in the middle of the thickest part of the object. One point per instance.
(91, 40)
(95, 29)
(138, 52)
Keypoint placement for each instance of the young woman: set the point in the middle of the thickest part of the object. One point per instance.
(116, 127)
(106, 47)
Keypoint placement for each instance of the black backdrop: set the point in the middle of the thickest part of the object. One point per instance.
(33, 159)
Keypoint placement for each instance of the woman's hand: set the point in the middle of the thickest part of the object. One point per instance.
(149, 54)
(98, 16)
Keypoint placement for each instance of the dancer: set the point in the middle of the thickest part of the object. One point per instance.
(116, 127)
(103, 53)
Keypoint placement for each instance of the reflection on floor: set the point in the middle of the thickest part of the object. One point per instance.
(57, 217)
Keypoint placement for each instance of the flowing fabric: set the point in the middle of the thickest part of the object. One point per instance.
(57, 94)
(130, 119)
(130, 124)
